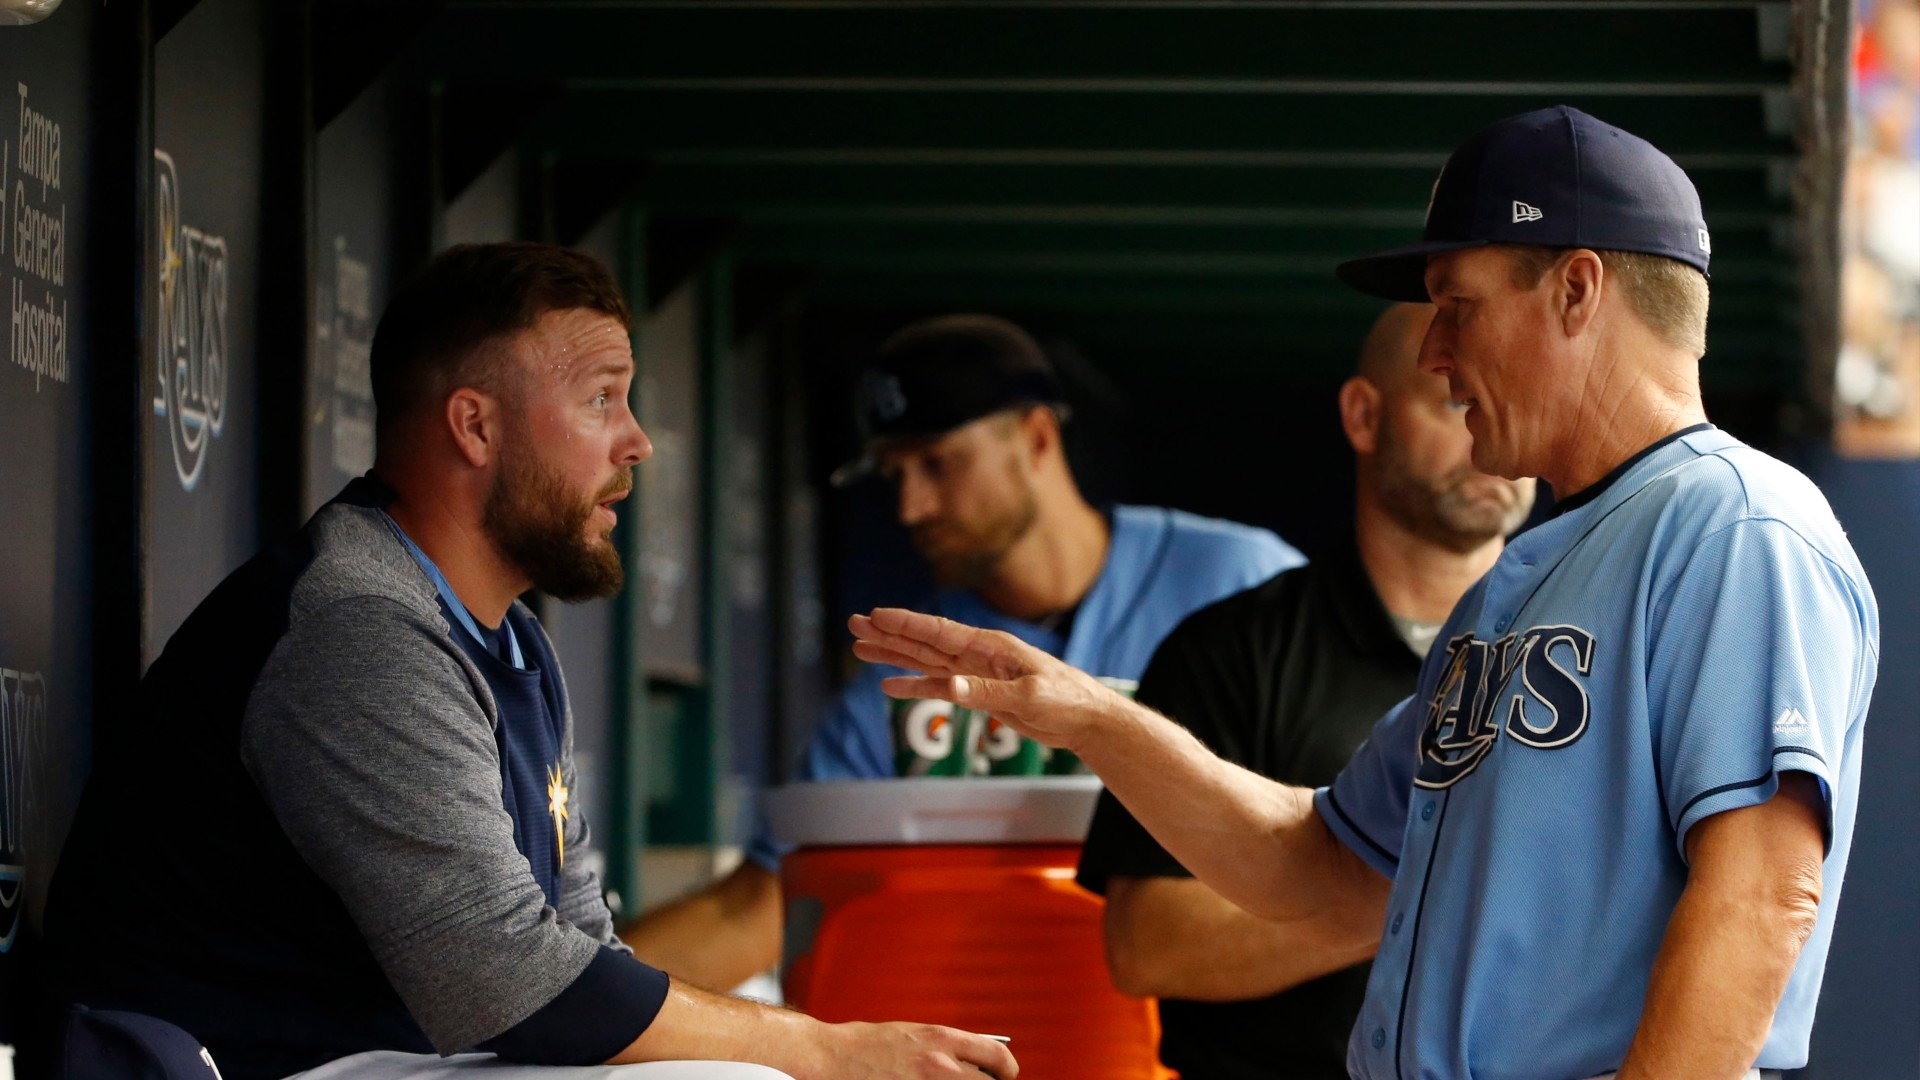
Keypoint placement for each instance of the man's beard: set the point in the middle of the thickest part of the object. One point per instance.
(1457, 511)
(542, 528)
(965, 557)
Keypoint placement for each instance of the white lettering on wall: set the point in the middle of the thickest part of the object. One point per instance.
(348, 329)
(33, 240)
(39, 146)
(191, 339)
(23, 722)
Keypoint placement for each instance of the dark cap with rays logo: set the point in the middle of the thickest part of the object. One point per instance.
(938, 374)
(1553, 177)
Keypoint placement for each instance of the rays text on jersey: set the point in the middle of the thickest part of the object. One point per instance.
(1528, 684)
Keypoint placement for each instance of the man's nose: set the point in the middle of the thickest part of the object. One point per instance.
(917, 499)
(1436, 354)
(635, 447)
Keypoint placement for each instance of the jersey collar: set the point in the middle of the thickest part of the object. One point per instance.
(1531, 557)
(1594, 491)
(454, 604)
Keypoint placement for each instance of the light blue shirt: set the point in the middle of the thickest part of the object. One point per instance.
(452, 601)
(1645, 660)
(1162, 565)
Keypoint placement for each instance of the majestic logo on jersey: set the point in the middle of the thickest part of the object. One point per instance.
(1527, 685)
(557, 796)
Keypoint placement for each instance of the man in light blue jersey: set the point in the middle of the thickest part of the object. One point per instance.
(1606, 836)
(962, 414)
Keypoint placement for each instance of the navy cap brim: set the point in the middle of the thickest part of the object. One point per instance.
(1400, 273)
(855, 471)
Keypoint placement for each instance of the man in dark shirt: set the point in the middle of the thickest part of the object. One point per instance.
(1287, 679)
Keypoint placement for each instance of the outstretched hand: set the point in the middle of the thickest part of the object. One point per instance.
(900, 1051)
(994, 672)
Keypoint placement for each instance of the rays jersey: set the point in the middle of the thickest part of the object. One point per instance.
(1659, 652)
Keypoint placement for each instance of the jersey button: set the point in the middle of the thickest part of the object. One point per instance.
(1426, 812)
(1379, 1038)
(1396, 923)
(1501, 626)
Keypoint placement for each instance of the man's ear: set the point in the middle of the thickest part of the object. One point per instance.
(1040, 432)
(1360, 413)
(1582, 277)
(473, 419)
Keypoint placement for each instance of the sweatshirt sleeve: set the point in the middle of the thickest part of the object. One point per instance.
(366, 735)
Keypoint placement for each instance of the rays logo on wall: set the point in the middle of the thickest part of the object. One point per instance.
(23, 720)
(190, 271)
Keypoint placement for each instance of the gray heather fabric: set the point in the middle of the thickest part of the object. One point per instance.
(371, 735)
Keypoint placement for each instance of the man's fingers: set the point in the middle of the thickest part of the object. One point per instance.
(912, 652)
(988, 1054)
(967, 649)
(880, 654)
(954, 688)
(931, 629)
(941, 644)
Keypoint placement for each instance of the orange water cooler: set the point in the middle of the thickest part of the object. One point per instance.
(952, 902)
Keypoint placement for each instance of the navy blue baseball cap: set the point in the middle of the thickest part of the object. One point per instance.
(106, 1044)
(1553, 177)
(938, 374)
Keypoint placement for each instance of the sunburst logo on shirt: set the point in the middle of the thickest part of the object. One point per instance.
(557, 807)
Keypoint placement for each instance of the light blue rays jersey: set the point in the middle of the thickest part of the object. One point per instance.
(1648, 658)
(1162, 565)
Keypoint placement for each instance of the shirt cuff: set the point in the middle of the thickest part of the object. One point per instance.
(599, 1014)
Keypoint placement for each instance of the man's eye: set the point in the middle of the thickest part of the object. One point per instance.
(600, 400)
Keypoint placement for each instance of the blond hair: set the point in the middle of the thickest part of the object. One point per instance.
(1667, 294)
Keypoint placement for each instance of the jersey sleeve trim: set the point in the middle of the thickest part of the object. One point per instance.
(1349, 832)
(1745, 793)
(1723, 789)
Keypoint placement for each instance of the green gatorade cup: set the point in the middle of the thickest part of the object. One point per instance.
(932, 738)
(1010, 753)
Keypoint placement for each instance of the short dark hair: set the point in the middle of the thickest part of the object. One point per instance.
(432, 338)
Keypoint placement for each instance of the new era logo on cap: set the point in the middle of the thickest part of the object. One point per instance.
(1706, 242)
(1523, 212)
